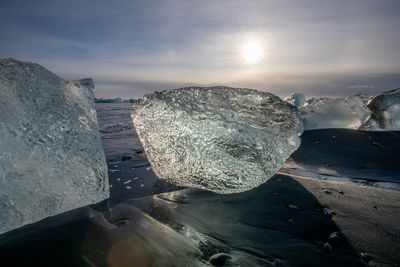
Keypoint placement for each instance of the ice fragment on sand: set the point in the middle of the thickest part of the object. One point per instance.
(362, 111)
(327, 248)
(326, 212)
(348, 112)
(222, 139)
(385, 112)
(51, 156)
(335, 237)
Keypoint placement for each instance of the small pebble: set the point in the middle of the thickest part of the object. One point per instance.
(275, 194)
(375, 144)
(148, 168)
(326, 212)
(293, 207)
(278, 262)
(333, 136)
(327, 191)
(334, 237)
(219, 259)
(124, 158)
(341, 192)
(366, 257)
(316, 142)
(327, 248)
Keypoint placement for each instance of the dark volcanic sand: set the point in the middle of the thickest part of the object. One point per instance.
(256, 228)
(372, 157)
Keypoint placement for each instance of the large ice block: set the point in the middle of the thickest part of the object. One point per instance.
(222, 139)
(385, 112)
(51, 158)
(347, 112)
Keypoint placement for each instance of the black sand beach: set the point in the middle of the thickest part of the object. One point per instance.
(320, 210)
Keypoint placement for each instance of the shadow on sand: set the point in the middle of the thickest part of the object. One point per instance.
(186, 227)
(371, 156)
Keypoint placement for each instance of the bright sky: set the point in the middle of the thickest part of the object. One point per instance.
(331, 48)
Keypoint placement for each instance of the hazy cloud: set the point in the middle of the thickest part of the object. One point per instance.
(133, 47)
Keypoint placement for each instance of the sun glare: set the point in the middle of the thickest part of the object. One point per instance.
(252, 52)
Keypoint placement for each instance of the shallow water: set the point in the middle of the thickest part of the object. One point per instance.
(147, 222)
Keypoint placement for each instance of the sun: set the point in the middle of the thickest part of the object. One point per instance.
(252, 52)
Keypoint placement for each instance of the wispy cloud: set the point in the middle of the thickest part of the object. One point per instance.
(361, 86)
(128, 44)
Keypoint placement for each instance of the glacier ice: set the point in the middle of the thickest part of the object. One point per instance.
(348, 112)
(385, 112)
(297, 99)
(362, 111)
(51, 158)
(221, 139)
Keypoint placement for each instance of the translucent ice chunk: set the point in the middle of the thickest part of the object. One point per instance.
(297, 99)
(222, 139)
(51, 158)
(349, 112)
(385, 112)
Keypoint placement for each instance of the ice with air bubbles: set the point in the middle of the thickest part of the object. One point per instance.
(51, 157)
(221, 139)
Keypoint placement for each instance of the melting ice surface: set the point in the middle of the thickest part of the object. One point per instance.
(222, 139)
(385, 112)
(348, 112)
(51, 158)
(362, 111)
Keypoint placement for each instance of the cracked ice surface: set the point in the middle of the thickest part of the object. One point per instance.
(51, 158)
(221, 139)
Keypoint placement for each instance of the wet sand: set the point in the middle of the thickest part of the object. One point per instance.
(367, 216)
